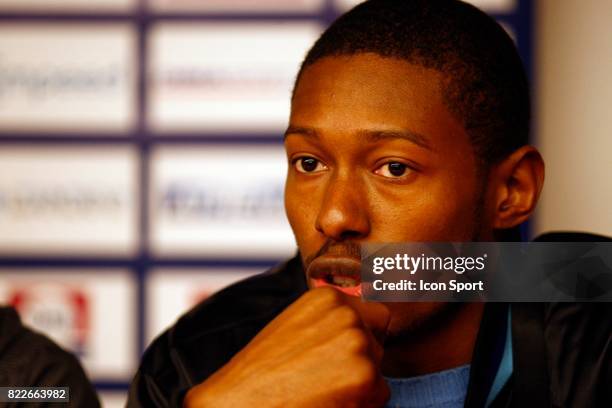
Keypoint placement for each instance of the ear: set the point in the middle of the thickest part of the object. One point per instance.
(518, 181)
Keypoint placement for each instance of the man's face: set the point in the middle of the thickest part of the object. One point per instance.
(375, 156)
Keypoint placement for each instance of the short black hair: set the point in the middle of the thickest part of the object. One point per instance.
(484, 85)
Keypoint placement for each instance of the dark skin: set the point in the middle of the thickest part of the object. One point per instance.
(375, 155)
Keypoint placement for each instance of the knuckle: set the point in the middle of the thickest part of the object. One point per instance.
(347, 316)
(355, 340)
(364, 374)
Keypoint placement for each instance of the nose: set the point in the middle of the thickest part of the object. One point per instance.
(343, 214)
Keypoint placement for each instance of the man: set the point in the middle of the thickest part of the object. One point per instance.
(409, 122)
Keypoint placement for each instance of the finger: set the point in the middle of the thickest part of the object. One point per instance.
(375, 316)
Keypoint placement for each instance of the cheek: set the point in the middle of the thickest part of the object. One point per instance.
(429, 210)
(292, 204)
(301, 209)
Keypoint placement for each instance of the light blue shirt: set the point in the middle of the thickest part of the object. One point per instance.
(448, 388)
(443, 389)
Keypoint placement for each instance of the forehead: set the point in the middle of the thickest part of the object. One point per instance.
(367, 91)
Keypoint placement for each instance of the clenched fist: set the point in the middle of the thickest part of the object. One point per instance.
(324, 350)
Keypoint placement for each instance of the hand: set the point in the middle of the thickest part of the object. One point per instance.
(324, 350)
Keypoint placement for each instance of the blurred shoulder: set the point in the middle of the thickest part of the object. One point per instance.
(28, 358)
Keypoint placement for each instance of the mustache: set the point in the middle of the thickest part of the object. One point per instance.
(348, 249)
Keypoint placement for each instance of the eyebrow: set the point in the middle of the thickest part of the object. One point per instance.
(370, 136)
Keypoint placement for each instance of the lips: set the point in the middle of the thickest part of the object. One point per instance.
(340, 272)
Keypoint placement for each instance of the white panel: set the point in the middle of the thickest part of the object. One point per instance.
(68, 200)
(219, 201)
(172, 292)
(573, 111)
(239, 6)
(113, 399)
(47, 6)
(490, 6)
(90, 312)
(496, 6)
(210, 77)
(67, 77)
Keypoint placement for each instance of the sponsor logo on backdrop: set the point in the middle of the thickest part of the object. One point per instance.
(91, 312)
(239, 79)
(67, 77)
(185, 201)
(38, 84)
(68, 200)
(60, 311)
(225, 83)
(220, 201)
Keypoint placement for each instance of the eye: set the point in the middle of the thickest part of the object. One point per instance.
(393, 169)
(308, 165)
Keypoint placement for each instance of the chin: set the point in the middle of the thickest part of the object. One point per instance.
(409, 319)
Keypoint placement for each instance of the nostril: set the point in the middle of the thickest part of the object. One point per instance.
(346, 235)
